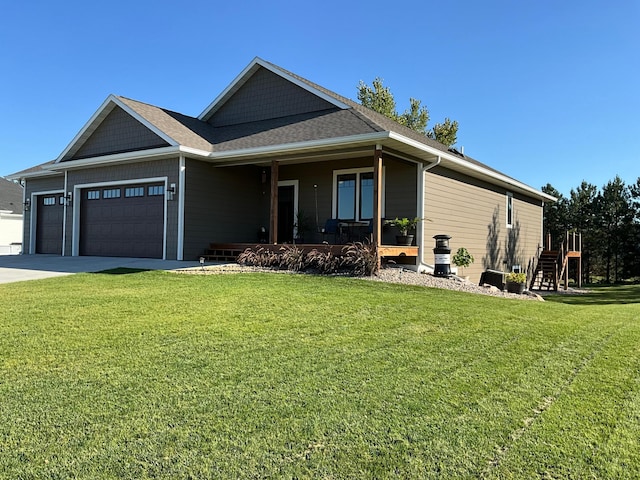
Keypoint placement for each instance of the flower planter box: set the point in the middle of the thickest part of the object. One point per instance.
(513, 287)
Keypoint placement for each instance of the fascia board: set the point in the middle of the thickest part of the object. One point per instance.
(111, 101)
(248, 71)
(115, 158)
(145, 122)
(296, 147)
(43, 173)
(86, 126)
(473, 167)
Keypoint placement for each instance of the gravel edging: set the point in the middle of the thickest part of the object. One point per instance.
(397, 275)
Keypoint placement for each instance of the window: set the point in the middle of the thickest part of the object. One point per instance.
(509, 209)
(134, 192)
(49, 201)
(155, 190)
(347, 196)
(353, 194)
(111, 193)
(366, 195)
(93, 194)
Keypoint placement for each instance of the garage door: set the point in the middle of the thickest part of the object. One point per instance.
(49, 223)
(122, 221)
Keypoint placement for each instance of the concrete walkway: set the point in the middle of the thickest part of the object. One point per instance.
(17, 268)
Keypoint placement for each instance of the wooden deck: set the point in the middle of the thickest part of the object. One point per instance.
(228, 252)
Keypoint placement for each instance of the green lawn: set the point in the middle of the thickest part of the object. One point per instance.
(158, 375)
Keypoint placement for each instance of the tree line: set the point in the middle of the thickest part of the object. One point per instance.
(609, 221)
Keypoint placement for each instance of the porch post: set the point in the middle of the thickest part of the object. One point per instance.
(377, 200)
(273, 221)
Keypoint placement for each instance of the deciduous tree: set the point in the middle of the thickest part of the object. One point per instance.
(379, 98)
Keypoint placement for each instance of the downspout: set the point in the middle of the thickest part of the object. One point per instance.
(423, 267)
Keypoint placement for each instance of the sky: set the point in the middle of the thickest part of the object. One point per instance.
(545, 91)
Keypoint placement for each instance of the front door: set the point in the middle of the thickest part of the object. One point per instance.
(286, 213)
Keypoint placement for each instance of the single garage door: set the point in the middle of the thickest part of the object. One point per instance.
(122, 221)
(49, 215)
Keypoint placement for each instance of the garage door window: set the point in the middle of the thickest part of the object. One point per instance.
(93, 195)
(156, 190)
(48, 201)
(134, 192)
(111, 193)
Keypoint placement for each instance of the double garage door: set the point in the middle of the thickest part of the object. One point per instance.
(122, 221)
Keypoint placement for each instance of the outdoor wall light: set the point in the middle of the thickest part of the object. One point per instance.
(264, 176)
(171, 191)
(27, 204)
(68, 198)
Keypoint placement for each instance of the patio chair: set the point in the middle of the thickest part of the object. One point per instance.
(331, 227)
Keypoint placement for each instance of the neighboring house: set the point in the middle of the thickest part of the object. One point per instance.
(10, 217)
(142, 181)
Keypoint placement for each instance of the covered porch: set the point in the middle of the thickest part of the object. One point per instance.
(317, 202)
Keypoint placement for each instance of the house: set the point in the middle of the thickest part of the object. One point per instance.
(142, 181)
(10, 217)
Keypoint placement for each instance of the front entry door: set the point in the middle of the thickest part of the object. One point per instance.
(286, 213)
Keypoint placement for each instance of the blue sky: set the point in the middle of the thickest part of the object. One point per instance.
(544, 91)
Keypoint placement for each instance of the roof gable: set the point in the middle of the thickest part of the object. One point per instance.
(264, 91)
(114, 128)
(118, 132)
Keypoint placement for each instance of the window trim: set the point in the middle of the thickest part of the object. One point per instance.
(509, 210)
(357, 171)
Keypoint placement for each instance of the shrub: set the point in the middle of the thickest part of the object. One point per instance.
(324, 262)
(516, 277)
(292, 258)
(260, 257)
(360, 259)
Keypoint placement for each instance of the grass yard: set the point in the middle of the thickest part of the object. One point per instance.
(158, 375)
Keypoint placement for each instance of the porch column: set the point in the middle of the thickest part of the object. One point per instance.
(377, 200)
(273, 221)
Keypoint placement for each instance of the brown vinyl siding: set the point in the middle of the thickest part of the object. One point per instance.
(222, 204)
(267, 95)
(473, 213)
(119, 132)
(131, 171)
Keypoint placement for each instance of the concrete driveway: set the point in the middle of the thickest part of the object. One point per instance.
(17, 268)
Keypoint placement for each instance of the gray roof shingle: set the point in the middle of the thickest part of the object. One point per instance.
(10, 196)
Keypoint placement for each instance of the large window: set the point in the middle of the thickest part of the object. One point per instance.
(353, 194)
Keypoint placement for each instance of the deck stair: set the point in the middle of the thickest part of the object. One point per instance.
(224, 252)
(552, 266)
(546, 275)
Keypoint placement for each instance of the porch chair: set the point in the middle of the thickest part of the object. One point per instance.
(331, 227)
